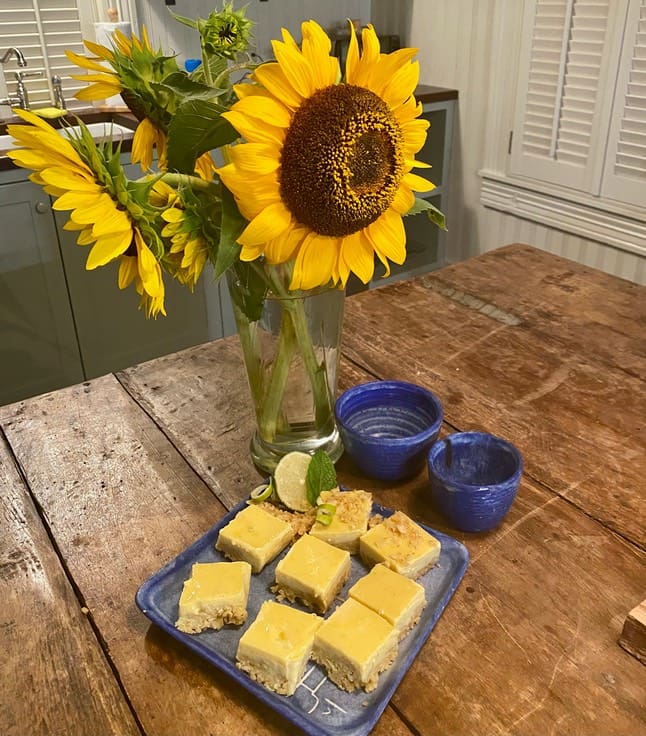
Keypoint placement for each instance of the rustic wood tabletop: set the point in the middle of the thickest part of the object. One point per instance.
(102, 483)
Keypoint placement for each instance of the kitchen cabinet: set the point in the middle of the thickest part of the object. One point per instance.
(38, 346)
(61, 324)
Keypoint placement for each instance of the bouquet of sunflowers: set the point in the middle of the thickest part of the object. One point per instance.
(311, 177)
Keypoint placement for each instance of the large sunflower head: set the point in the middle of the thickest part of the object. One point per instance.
(325, 172)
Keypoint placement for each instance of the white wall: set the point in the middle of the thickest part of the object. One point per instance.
(269, 17)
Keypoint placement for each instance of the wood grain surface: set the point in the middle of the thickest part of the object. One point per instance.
(50, 654)
(104, 482)
(536, 349)
(120, 502)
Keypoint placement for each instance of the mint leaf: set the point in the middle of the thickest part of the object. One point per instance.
(321, 476)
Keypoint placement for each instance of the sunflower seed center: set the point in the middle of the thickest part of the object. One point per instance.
(342, 160)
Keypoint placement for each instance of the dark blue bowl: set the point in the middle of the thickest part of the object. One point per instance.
(388, 426)
(474, 479)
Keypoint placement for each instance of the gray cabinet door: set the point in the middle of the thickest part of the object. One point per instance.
(113, 332)
(38, 347)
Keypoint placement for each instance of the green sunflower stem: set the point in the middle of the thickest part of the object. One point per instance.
(295, 320)
(188, 181)
(270, 415)
(270, 383)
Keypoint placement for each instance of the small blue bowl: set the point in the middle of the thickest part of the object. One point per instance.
(388, 426)
(474, 478)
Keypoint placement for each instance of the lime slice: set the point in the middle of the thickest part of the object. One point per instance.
(289, 480)
(325, 513)
(261, 493)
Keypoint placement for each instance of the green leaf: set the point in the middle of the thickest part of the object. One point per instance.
(196, 127)
(250, 291)
(180, 84)
(321, 476)
(186, 21)
(233, 223)
(434, 215)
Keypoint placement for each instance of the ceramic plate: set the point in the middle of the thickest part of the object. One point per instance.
(318, 706)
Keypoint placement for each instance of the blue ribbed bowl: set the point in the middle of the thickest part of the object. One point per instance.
(388, 426)
(474, 479)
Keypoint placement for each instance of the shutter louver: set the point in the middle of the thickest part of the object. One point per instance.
(626, 177)
(557, 119)
(42, 30)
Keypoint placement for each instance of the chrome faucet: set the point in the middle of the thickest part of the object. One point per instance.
(21, 89)
(13, 51)
(57, 86)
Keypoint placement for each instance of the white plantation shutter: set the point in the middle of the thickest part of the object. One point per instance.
(42, 30)
(567, 58)
(625, 173)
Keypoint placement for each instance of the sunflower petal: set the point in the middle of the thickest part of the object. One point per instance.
(388, 238)
(108, 248)
(63, 178)
(71, 200)
(256, 157)
(127, 271)
(252, 131)
(357, 255)
(417, 183)
(315, 261)
(401, 85)
(265, 109)
(98, 50)
(116, 221)
(90, 214)
(99, 91)
(149, 269)
(295, 67)
(268, 224)
(283, 248)
(84, 62)
(404, 200)
(273, 79)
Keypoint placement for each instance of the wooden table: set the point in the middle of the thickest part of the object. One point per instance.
(102, 483)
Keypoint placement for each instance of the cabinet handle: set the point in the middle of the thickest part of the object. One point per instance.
(42, 207)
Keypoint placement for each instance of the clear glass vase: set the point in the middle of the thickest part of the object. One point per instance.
(291, 345)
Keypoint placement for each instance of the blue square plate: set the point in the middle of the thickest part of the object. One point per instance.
(318, 706)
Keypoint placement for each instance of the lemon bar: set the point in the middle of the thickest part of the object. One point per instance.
(354, 645)
(396, 598)
(312, 571)
(214, 595)
(255, 536)
(350, 518)
(276, 647)
(401, 544)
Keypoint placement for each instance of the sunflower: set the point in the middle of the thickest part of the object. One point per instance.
(187, 250)
(132, 68)
(324, 176)
(74, 172)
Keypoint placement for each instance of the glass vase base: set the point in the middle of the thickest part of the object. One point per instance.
(265, 456)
